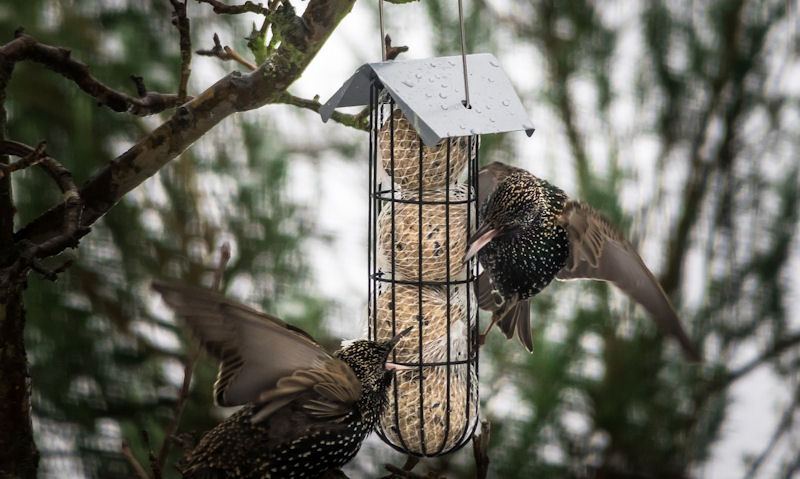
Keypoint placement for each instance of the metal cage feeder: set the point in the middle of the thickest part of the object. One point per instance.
(423, 195)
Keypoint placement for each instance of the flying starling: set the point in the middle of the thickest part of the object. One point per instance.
(305, 411)
(531, 232)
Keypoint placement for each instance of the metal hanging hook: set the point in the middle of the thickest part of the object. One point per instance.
(383, 35)
(463, 52)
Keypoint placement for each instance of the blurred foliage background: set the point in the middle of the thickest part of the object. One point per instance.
(679, 120)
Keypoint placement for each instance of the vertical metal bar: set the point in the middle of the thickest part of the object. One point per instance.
(372, 316)
(447, 288)
(463, 52)
(383, 35)
(419, 302)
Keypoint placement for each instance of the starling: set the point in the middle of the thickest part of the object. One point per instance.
(531, 232)
(305, 411)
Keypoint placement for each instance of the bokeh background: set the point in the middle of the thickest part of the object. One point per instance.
(679, 119)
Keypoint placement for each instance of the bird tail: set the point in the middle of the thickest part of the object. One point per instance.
(515, 317)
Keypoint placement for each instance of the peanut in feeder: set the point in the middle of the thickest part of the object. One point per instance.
(420, 212)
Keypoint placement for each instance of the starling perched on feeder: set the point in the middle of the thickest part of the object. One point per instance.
(306, 412)
(531, 232)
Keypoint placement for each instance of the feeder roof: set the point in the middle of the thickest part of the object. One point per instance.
(430, 93)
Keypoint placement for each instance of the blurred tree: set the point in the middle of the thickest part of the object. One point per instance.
(676, 118)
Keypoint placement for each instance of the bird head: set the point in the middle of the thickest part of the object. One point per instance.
(369, 360)
(512, 207)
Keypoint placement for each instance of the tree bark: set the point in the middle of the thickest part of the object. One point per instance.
(19, 457)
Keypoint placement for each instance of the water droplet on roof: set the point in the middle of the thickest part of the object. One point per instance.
(493, 63)
(490, 79)
(491, 119)
(418, 75)
(442, 95)
(408, 84)
(506, 103)
(444, 107)
(451, 62)
(428, 94)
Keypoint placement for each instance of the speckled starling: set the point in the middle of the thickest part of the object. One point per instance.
(305, 411)
(531, 233)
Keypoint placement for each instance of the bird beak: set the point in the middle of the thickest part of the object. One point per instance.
(481, 238)
(392, 343)
(397, 367)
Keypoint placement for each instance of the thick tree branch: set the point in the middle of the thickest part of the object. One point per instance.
(24, 47)
(234, 93)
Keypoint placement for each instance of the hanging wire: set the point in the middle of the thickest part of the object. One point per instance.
(463, 51)
(383, 35)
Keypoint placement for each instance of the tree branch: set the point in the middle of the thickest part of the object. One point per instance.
(359, 121)
(225, 9)
(25, 47)
(181, 21)
(234, 93)
(225, 53)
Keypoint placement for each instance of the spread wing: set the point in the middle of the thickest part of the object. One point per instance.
(326, 392)
(598, 251)
(255, 350)
(490, 176)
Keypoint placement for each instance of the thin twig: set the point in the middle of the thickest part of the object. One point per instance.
(181, 21)
(480, 449)
(225, 53)
(246, 7)
(188, 371)
(137, 466)
(30, 252)
(224, 257)
(358, 121)
(25, 47)
(30, 159)
(392, 52)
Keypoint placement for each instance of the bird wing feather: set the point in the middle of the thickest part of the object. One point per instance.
(326, 391)
(255, 349)
(598, 251)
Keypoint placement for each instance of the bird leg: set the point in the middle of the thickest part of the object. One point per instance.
(482, 337)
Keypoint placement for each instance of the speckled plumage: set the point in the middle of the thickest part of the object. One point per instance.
(527, 258)
(291, 442)
(305, 412)
(532, 233)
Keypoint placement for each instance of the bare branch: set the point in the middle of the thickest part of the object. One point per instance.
(358, 121)
(392, 52)
(234, 93)
(137, 467)
(225, 53)
(224, 257)
(784, 425)
(25, 47)
(246, 7)
(180, 20)
(480, 449)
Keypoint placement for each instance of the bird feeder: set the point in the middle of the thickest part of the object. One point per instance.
(423, 195)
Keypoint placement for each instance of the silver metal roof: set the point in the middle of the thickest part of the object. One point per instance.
(430, 92)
